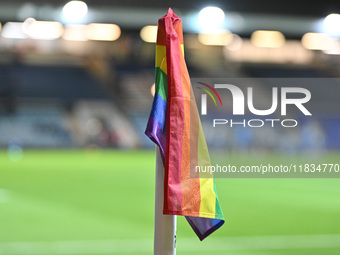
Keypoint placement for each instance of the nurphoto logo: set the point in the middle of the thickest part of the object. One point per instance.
(239, 99)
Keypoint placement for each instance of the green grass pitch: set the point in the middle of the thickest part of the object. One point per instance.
(74, 198)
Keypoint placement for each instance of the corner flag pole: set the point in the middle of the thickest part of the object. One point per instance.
(165, 225)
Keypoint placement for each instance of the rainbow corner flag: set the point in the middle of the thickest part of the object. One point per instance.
(174, 125)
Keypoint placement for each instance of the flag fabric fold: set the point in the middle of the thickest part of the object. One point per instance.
(174, 125)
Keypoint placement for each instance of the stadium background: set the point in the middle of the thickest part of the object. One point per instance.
(76, 170)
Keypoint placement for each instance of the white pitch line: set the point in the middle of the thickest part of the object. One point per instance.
(138, 246)
(77, 247)
(264, 243)
(4, 196)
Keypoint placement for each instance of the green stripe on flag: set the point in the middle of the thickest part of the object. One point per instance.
(161, 84)
(218, 209)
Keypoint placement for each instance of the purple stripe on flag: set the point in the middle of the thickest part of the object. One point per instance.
(154, 132)
(155, 128)
(204, 226)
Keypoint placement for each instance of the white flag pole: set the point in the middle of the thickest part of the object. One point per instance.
(165, 225)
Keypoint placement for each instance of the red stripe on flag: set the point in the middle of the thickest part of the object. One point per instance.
(177, 26)
(175, 113)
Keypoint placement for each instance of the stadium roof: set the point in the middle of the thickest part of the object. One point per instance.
(293, 18)
(297, 7)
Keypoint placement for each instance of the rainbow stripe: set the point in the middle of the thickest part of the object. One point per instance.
(174, 125)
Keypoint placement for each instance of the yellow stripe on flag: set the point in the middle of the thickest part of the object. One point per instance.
(208, 196)
(161, 57)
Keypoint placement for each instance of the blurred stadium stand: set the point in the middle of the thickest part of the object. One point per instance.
(39, 126)
(70, 93)
(59, 107)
